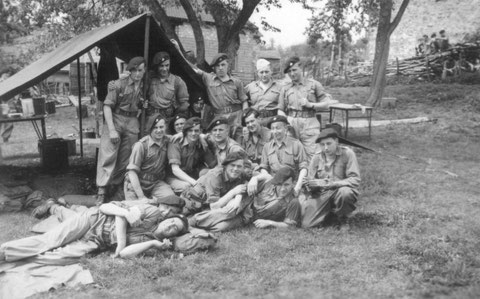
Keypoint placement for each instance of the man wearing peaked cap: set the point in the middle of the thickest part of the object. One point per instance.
(263, 94)
(300, 100)
(121, 127)
(146, 170)
(187, 157)
(332, 182)
(226, 93)
(168, 93)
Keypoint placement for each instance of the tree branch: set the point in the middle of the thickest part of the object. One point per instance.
(161, 16)
(398, 17)
(197, 30)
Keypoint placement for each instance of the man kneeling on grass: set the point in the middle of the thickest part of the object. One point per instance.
(332, 182)
(271, 203)
(132, 229)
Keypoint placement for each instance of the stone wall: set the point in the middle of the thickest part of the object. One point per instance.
(457, 17)
(244, 64)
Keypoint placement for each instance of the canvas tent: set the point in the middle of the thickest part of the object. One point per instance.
(123, 40)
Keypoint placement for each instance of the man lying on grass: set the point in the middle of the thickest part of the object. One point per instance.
(270, 202)
(132, 229)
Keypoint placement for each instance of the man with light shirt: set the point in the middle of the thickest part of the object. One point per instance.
(263, 94)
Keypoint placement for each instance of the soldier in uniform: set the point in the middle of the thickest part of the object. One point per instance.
(332, 182)
(218, 141)
(263, 94)
(167, 93)
(121, 127)
(176, 124)
(186, 157)
(148, 164)
(299, 100)
(257, 136)
(282, 151)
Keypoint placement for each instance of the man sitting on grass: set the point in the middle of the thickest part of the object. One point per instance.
(332, 182)
(132, 229)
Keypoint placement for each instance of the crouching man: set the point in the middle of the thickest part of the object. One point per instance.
(271, 203)
(132, 229)
(332, 182)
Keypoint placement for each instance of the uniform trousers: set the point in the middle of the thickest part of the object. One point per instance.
(306, 130)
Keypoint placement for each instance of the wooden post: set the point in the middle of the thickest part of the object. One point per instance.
(146, 79)
(94, 86)
(398, 67)
(80, 106)
(428, 68)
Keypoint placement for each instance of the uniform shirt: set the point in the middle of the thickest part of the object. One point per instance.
(103, 230)
(190, 157)
(214, 184)
(170, 93)
(344, 170)
(231, 146)
(292, 94)
(288, 152)
(149, 160)
(223, 94)
(261, 99)
(267, 205)
(254, 143)
(124, 96)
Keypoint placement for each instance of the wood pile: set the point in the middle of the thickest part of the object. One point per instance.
(419, 66)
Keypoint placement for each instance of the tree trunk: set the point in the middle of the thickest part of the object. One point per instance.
(160, 16)
(197, 31)
(385, 29)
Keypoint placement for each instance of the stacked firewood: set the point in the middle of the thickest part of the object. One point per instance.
(428, 66)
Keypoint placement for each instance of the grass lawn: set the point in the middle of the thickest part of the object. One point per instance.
(415, 234)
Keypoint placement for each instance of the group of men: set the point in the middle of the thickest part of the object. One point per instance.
(432, 45)
(262, 160)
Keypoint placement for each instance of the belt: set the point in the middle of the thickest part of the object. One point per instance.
(167, 112)
(149, 176)
(228, 109)
(267, 113)
(125, 113)
(301, 113)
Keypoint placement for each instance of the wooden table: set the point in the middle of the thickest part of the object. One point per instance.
(41, 132)
(347, 108)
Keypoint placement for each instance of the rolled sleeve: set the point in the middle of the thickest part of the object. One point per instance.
(136, 158)
(173, 153)
(281, 100)
(264, 159)
(301, 157)
(112, 96)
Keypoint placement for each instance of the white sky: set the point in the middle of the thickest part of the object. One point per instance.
(291, 19)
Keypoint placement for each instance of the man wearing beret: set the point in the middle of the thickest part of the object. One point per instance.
(177, 123)
(167, 93)
(299, 100)
(257, 136)
(148, 164)
(332, 182)
(219, 186)
(218, 141)
(131, 229)
(121, 127)
(263, 94)
(186, 157)
(226, 93)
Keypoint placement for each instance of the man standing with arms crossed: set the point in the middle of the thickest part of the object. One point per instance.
(300, 100)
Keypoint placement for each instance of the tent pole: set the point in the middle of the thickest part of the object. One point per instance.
(147, 79)
(80, 106)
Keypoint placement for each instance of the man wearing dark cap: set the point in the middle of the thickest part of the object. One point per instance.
(226, 93)
(300, 100)
(186, 157)
(167, 93)
(218, 186)
(257, 136)
(121, 127)
(132, 229)
(282, 151)
(272, 205)
(218, 141)
(332, 182)
(177, 123)
(148, 164)
(263, 94)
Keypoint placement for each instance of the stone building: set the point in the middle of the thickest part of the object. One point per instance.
(244, 62)
(456, 17)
